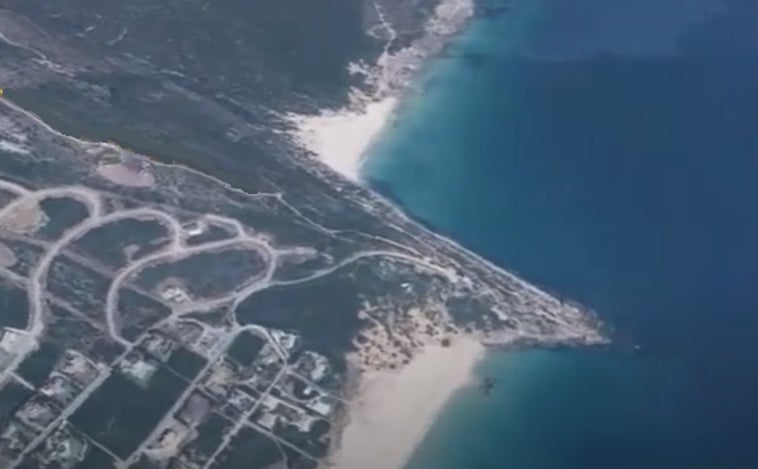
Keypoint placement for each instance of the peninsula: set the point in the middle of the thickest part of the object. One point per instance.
(193, 275)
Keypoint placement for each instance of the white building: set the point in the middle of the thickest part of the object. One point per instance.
(175, 295)
(284, 340)
(267, 421)
(195, 228)
(320, 406)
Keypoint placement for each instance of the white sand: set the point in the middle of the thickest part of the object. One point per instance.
(394, 409)
(341, 138)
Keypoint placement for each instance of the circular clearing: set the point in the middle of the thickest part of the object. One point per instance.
(121, 174)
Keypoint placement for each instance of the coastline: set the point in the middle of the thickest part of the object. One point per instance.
(431, 369)
(657, 397)
(323, 137)
(340, 138)
(393, 409)
(390, 411)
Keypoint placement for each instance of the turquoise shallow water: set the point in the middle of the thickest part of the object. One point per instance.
(607, 151)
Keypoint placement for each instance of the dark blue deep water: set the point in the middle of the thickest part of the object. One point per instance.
(606, 150)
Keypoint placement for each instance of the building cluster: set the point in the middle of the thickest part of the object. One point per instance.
(235, 388)
(179, 429)
(139, 367)
(70, 376)
(271, 385)
(276, 411)
(157, 347)
(296, 402)
(175, 294)
(202, 339)
(64, 448)
(293, 403)
(276, 392)
(313, 366)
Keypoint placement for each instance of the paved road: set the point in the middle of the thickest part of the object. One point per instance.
(177, 249)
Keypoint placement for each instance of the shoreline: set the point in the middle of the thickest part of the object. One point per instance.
(406, 420)
(340, 138)
(390, 81)
(392, 410)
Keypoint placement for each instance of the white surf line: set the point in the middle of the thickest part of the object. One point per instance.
(475, 258)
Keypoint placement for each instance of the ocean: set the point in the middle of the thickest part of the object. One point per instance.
(606, 150)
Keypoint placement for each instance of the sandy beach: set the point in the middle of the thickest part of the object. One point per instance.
(394, 409)
(341, 138)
